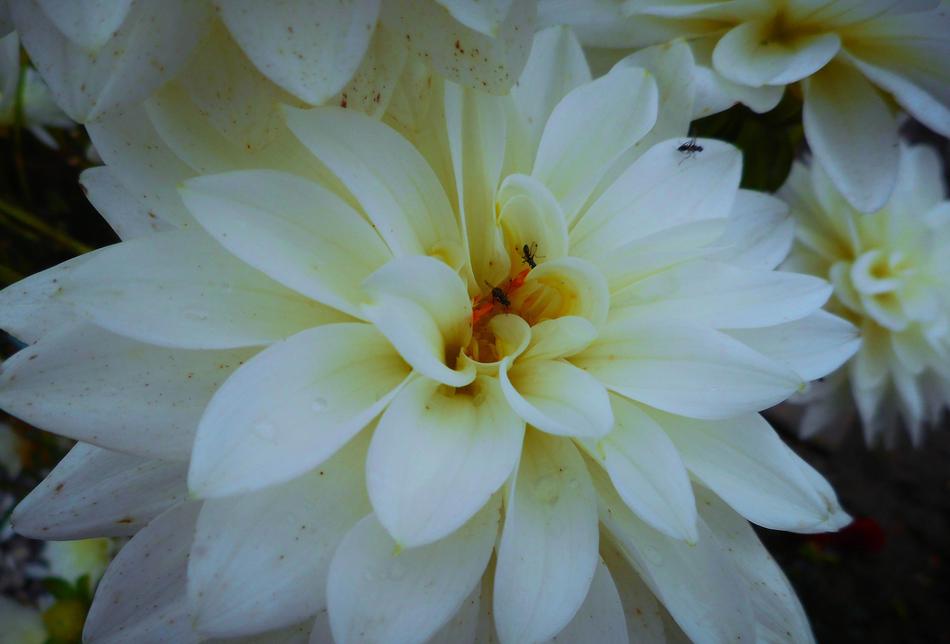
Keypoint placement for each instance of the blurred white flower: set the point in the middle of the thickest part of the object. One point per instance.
(433, 378)
(71, 560)
(38, 109)
(842, 51)
(891, 277)
(103, 56)
(20, 624)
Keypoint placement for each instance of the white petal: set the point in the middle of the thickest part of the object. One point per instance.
(460, 54)
(556, 397)
(601, 617)
(568, 286)
(548, 551)
(683, 369)
(476, 133)
(813, 346)
(30, 310)
(760, 231)
(662, 180)
(588, 129)
(310, 49)
(462, 627)
(485, 17)
(559, 337)
(744, 461)
(88, 23)
(750, 54)
(530, 216)
(180, 289)
(132, 63)
(437, 457)
(142, 596)
(779, 614)
(379, 593)
(642, 613)
(376, 81)
(555, 67)
(696, 583)
(94, 492)
(840, 108)
(722, 296)
(387, 175)
(94, 386)
(293, 230)
(647, 471)
(143, 163)
(293, 406)
(260, 561)
(127, 215)
(297, 634)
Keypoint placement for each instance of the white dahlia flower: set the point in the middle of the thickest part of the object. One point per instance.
(891, 278)
(844, 52)
(496, 381)
(103, 56)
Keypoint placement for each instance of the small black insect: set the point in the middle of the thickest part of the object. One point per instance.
(528, 254)
(498, 294)
(689, 149)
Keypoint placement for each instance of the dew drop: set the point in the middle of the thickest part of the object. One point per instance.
(573, 483)
(318, 404)
(196, 314)
(267, 431)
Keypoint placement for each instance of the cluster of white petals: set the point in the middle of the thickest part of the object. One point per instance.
(891, 278)
(844, 53)
(488, 368)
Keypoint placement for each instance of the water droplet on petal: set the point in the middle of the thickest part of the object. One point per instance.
(547, 489)
(196, 314)
(653, 555)
(318, 404)
(267, 431)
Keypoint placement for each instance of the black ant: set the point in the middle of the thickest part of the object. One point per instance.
(498, 294)
(529, 253)
(689, 149)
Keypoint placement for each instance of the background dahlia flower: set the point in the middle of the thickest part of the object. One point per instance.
(890, 274)
(489, 368)
(103, 56)
(845, 53)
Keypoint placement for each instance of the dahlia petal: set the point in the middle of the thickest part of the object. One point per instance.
(555, 66)
(89, 23)
(462, 627)
(422, 307)
(812, 346)
(684, 369)
(388, 176)
(143, 163)
(840, 108)
(438, 456)
(476, 132)
(314, 62)
(30, 310)
(580, 284)
(556, 397)
(462, 54)
(714, 605)
(647, 471)
(94, 492)
(760, 231)
(559, 337)
(376, 81)
(484, 17)
(779, 614)
(297, 634)
(547, 556)
(293, 406)
(722, 296)
(134, 60)
(377, 592)
(657, 182)
(91, 385)
(601, 617)
(142, 596)
(259, 561)
(588, 129)
(744, 461)
(530, 215)
(127, 216)
(748, 54)
(640, 608)
(291, 229)
(180, 289)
